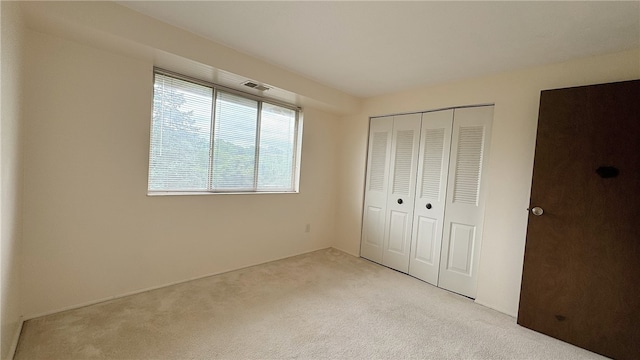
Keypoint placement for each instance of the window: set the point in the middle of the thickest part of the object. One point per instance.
(205, 138)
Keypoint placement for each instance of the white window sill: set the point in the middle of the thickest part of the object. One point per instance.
(190, 193)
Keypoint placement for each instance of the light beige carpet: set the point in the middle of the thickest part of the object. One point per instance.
(322, 305)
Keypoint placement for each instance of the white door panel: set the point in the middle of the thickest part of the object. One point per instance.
(373, 226)
(429, 207)
(397, 225)
(426, 230)
(376, 188)
(461, 248)
(464, 216)
(404, 149)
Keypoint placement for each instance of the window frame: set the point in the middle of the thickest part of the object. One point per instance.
(216, 88)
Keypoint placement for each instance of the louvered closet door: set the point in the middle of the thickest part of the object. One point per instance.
(431, 191)
(463, 220)
(376, 188)
(401, 193)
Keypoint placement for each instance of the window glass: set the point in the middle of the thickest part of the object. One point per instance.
(277, 136)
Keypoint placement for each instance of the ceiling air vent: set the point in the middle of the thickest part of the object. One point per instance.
(255, 86)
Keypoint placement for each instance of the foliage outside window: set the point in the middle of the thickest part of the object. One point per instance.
(205, 139)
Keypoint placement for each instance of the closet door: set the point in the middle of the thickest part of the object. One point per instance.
(401, 192)
(376, 188)
(465, 200)
(431, 190)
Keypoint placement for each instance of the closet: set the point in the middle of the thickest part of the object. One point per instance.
(424, 196)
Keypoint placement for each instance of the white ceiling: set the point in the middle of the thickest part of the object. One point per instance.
(372, 48)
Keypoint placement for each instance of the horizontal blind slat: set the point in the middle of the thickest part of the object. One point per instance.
(180, 135)
(234, 142)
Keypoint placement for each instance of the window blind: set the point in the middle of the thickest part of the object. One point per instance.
(180, 135)
(234, 149)
(209, 140)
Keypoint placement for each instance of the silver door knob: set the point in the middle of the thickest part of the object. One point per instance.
(537, 211)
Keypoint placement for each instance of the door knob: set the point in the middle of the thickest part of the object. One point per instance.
(399, 201)
(537, 211)
(428, 206)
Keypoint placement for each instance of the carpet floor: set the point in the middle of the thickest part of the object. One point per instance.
(321, 305)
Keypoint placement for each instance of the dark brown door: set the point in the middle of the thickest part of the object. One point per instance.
(581, 275)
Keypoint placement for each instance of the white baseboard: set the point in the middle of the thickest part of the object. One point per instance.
(110, 298)
(347, 252)
(496, 309)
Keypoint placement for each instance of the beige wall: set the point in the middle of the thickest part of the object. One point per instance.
(116, 27)
(516, 96)
(10, 175)
(90, 230)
